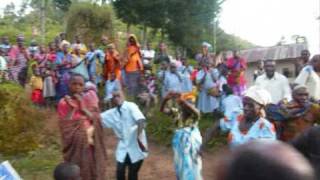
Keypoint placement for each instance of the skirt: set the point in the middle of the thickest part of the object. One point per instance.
(186, 144)
(48, 87)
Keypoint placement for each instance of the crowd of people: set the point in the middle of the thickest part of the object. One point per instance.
(80, 81)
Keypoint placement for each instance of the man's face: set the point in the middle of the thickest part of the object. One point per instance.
(20, 41)
(148, 46)
(305, 55)
(173, 68)
(162, 47)
(270, 68)
(301, 96)
(117, 98)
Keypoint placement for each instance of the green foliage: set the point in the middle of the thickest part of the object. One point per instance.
(90, 21)
(20, 122)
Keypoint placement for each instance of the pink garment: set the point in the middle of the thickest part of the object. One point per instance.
(90, 101)
(236, 68)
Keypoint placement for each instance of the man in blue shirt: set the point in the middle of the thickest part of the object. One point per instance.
(127, 122)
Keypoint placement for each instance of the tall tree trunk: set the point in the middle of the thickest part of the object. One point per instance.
(144, 35)
(162, 34)
(43, 21)
(128, 28)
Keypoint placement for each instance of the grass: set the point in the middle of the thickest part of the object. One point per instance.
(39, 164)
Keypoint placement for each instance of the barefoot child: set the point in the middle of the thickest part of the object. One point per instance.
(36, 83)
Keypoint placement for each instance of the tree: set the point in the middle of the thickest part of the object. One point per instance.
(127, 12)
(90, 21)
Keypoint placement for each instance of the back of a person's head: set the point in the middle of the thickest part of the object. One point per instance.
(267, 160)
(227, 89)
(67, 171)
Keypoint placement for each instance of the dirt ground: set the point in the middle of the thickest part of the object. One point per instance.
(159, 164)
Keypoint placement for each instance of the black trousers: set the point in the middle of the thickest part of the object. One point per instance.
(133, 169)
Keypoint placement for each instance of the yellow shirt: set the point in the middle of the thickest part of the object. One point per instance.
(36, 82)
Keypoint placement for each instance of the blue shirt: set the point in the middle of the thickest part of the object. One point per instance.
(172, 82)
(111, 86)
(125, 126)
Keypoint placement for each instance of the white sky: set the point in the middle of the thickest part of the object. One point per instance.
(264, 22)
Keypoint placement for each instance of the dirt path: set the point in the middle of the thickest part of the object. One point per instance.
(159, 164)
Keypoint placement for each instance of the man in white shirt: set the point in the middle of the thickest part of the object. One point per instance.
(275, 83)
(127, 122)
(148, 55)
(309, 77)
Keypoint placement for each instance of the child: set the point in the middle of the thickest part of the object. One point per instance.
(36, 83)
(231, 107)
(185, 69)
(113, 84)
(67, 171)
(145, 97)
(3, 66)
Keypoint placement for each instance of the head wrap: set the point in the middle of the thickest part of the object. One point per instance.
(299, 86)
(259, 95)
(111, 46)
(206, 44)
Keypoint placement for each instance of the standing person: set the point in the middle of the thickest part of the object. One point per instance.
(49, 75)
(187, 139)
(79, 64)
(81, 129)
(302, 61)
(185, 70)
(161, 74)
(172, 80)
(111, 85)
(205, 56)
(275, 83)
(64, 64)
(112, 64)
(148, 55)
(309, 76)
(162, 55)
(127, 122)
(78, 44)
(5, 45)
(206, 80)
(95, 60)
(36, 83)
(236, 77)
(252, 124)
(259, 71)
(133, 65)
(18, 58)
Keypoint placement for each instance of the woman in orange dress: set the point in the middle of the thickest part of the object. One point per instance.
(112, 63)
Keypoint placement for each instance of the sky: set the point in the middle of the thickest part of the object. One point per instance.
(264, 22)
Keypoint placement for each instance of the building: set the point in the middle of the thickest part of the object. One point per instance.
(284, 55)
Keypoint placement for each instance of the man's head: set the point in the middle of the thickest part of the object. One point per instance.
(117, 97)
(305, 55)
(63, 36)
(265, 160)
(173, 68)
(162, 47)
(77, 39)
(270, 68)
(91, 46)
(67, 171)
(315, 61)
(5, 40)
(300, 94)
(148, 46)
(20, 41)
(235, 54)
(104, 40)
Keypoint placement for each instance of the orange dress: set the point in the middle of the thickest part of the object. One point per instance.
(133, 59)
(112, 65)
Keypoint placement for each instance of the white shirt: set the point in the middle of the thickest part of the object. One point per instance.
(278, 86)
(148, 53)
(125, 126)
(3, 64)
(311, 79)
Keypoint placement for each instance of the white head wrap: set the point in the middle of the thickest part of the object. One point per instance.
(259, 95)
(208, 45)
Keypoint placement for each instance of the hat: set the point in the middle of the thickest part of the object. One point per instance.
(259, 95)
(111, 46)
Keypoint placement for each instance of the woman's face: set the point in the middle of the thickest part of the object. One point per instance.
(205, 49)
(76, 85)
(250, 107)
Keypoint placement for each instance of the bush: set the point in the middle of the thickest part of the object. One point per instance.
(20, 122)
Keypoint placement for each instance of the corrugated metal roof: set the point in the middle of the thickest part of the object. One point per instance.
(289, 51)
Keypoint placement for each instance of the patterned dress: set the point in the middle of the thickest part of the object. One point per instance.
(186, 144)
(261, 129)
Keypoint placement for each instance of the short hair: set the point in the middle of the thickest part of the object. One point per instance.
(258, 160)
(66, 171)
(269, 60)
(227, 89)
(74, 75)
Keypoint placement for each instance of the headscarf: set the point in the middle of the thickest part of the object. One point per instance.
(259, 95)
(135, 39)
(299, 86)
